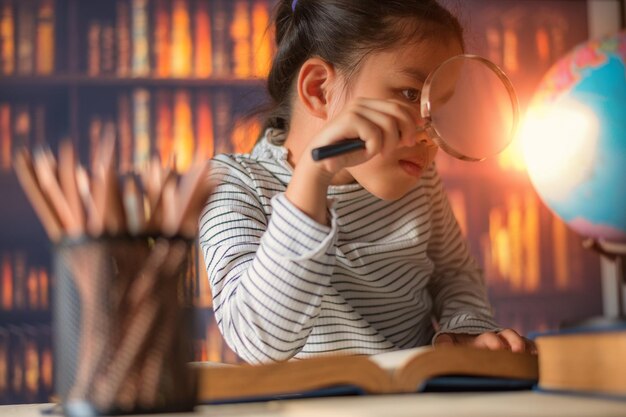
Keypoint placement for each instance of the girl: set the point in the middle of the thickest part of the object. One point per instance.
(359, 253)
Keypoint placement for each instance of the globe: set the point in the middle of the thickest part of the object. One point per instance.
(574, 139)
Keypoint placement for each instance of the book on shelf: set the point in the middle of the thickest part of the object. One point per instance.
(25, 363)
(21, 125)
(24, 287)
(584, 361)
(7, 38)
(240, 34)
(221, 47)
(181, 39)
(140, 44)
(183, 140)
(204, 126)
(44, 63)
(125, 134)
(164, 125)
(182, 54)
(27, 33)
(123, 38)
(6, 137)
(107, 47)
(141, 127)
(403, 371)
(25, 37)
(203, 48)
(161, 39)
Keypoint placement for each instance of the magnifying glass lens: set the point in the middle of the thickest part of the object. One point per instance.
(473, 107)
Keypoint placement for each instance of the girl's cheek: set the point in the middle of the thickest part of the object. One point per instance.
(432, 153)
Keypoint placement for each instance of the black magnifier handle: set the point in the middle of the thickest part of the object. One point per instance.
(336, 149)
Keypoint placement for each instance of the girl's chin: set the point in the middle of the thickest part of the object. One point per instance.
(391, 192)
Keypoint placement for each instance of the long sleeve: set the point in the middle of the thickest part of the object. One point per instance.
(457, 285)
(268, 273)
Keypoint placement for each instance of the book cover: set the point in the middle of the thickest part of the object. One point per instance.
(584, 360)
(245, 134)
(164, 128)
(31, 365)
(223, 111)
(204, 126)
(183, 147)
(203, 48)
(19, 281)
(181, 39)
(4, 364)
(262, 41)
(32, 289)
(94, 34)
(140, 34)
(7, 283)
(23, 129)
(44, 289)
(162, 42)
(7, 37)
(107, 46)
(221, 47)
(125, 133)
(6, 138)
(40, 130)
(123, 37)
(95, 137)
(45, 37)
(141, 127)
(241, 39)
(26, 37)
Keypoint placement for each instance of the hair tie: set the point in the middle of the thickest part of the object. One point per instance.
(293, 5)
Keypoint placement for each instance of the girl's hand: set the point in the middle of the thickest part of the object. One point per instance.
(506, 339)
(381, 124)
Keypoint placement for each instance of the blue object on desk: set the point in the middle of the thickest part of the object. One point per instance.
(474, 384)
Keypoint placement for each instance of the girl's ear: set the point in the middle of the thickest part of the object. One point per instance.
(315, 82)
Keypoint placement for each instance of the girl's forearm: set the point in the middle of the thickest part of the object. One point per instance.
(307, 191)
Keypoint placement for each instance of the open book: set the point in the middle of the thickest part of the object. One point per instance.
(393, 372)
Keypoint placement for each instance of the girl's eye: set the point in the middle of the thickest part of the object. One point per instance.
(412, 95)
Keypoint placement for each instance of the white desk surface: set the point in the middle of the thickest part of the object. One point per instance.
(509, 404)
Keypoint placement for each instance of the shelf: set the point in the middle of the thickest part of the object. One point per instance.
(19, 317)
(67, 80)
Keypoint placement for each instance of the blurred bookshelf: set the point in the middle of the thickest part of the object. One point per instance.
(178, 77)
(172, 76)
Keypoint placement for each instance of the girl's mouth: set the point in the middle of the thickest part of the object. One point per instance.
(411, 168)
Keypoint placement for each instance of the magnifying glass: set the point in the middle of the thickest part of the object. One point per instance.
(469, 109)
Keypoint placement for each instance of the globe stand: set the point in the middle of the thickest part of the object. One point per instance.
(615, 254)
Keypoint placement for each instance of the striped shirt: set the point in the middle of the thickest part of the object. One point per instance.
(375, 280)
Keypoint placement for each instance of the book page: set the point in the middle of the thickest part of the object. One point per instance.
(209, 364)
(390, 361)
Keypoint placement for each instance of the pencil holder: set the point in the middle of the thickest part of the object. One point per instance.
(122, 326)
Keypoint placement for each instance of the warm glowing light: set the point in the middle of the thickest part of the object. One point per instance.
(559, 143)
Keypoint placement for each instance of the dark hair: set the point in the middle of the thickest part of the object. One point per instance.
(343, 33)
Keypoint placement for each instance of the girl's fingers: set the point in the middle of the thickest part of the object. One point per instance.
(404, 116)
(507, 339)
(513, 340)
(446, 339)
(489, 341)
(381, 124)
(386, 123)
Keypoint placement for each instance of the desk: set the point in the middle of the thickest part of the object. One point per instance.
(509, 404)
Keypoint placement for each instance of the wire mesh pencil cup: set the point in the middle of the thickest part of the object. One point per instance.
(123, 326)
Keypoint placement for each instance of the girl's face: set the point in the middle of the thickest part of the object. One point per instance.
(396, 74)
